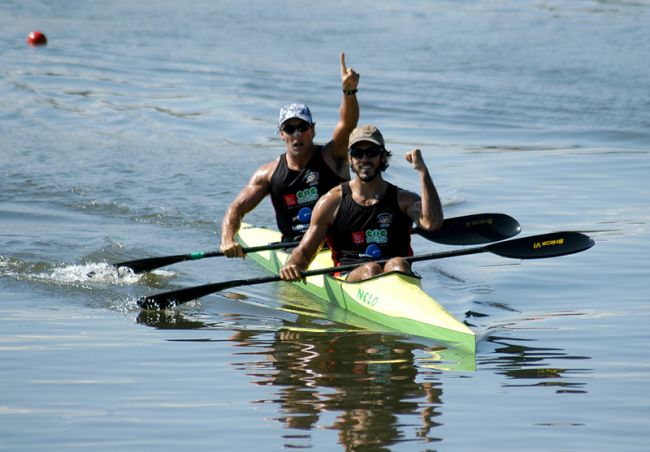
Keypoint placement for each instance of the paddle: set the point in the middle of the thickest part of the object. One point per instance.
(151, 263)
(533, 247)
(465, 230)
(473, 229)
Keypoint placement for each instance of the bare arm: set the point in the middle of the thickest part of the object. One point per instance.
(336, 155)
(321, 219)
(426, 210)
(257, 188)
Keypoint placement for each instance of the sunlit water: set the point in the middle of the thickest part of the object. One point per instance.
(129, 134)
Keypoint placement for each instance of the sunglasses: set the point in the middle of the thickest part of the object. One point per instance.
(291, 128)
(371, 152)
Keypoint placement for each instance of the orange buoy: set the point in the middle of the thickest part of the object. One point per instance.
(36, 38)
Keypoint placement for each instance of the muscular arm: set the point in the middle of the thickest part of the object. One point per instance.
(336, 154)
(257, 188)
(425, 210)
(321, 219)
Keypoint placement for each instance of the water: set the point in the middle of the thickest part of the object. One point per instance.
(129, 134)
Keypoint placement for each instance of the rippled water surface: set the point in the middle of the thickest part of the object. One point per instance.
(131, 131)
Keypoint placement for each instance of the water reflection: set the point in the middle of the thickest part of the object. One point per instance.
(374, 389)
(364, 385)
(535, 366)
(169, 320)
(357, 383)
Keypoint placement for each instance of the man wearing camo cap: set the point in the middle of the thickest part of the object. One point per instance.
(304, 172)
(368, 219)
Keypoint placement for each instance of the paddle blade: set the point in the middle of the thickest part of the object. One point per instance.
(156, 302)
(165, 300)
(151, 263)
(541, 246)
(473, 229)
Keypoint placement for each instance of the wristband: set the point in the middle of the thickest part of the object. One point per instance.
(350, 92)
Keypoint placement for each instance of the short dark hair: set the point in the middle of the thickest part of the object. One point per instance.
(387, 155)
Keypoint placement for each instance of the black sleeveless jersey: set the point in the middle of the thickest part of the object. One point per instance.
(364, 233)
(294, 193)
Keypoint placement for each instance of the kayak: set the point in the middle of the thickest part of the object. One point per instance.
(394, 300)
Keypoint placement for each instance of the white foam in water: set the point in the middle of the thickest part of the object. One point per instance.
(96, 272)
(100, 273)
(8, 265)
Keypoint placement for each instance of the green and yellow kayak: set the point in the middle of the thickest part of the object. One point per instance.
(393, 300)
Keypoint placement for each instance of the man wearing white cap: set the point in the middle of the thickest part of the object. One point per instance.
(297, 178)
(368, 219)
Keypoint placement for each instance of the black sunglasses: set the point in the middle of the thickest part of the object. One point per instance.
(371, 152)
(291, 128)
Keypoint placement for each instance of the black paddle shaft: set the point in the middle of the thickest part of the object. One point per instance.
(533, 247)
(151, 263)
(464, 230)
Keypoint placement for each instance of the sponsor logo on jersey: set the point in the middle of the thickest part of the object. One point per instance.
(373, 251)
(300, 228)
(304, 215)
(384, 219)
(376, 236)
(290, 199)
(312, 178)
(359, 238)
(307, 195)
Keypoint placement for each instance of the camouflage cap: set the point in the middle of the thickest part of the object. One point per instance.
(299, 111)
(366, 133)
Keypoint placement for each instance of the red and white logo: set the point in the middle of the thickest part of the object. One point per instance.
(359, 237)
(290, 199)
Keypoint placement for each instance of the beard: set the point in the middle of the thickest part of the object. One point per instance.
(366, 173)
(367, 177)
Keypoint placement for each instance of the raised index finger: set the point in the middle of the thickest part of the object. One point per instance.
(344, 68)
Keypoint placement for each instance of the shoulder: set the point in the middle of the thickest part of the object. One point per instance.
(328, 203)
(332, 196)
(326, 209)
(264, 172)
